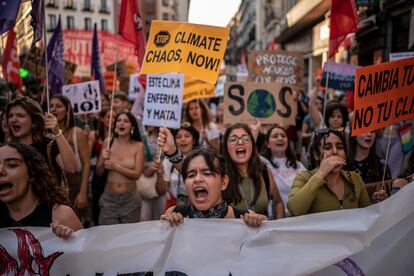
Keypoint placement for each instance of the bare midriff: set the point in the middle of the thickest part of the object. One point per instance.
(119, 184)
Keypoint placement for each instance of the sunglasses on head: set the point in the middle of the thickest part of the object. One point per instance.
(325, 131)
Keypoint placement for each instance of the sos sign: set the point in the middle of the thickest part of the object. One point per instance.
(85, 97)
(271, 103)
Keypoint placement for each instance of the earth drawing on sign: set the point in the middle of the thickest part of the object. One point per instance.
(261, 104)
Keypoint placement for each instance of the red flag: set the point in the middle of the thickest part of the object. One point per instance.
(272, 45)
(131, 27)
(344, 20)
(11, 62)
(243, 57)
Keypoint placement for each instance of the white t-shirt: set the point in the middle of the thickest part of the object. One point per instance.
(283, 176)
(212, 133)
(171, 174)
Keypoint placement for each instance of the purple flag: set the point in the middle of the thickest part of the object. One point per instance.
(8, 13)
(96, 70)
(38, 20)
(56, 67)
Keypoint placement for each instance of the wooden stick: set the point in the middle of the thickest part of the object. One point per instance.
(113, 92)
(386, 159)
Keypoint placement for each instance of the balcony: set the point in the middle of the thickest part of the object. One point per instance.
(70, 6)
(88, 8)
(104, 9)
(52, 4)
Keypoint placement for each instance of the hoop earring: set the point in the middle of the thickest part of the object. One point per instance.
(132, 131)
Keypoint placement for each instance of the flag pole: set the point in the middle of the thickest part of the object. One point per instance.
(46, 59)
(113, 92)
(386, 159)
(325, 98)
(2, 50)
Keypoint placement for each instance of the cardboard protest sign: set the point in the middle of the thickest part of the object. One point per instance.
(276, 67)
(383, 96)
(34, 65)
(85, 97)
(341, 76)
(163, 100)
(195, 50)
(197, 89)
(269, 102)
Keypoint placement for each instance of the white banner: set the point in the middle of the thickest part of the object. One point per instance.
(85, 97)
(402, 55)
(163, 100)
(377, 240)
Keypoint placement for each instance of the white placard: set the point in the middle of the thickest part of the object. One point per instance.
(220, 86)
(402, 55)
(85, 97)
(163, 100)
(135, 87)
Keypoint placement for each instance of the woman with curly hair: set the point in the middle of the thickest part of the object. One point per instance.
(29, 195)
(329, 186)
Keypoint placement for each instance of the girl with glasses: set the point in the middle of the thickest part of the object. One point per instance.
(251, 186)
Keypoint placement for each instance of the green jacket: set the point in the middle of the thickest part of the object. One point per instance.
(310, 194)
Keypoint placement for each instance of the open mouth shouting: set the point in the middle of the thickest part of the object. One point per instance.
(5, 188)
(200, 194)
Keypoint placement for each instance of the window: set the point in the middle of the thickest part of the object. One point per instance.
(71, 4)
(104, 6)
(164, 16)
(88, 23)
(165, 3)
(70, 23)
(51, 3)
(52, 22)
(104, 25)
(87, 5)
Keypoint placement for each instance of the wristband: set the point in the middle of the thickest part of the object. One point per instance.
(54, 137)
(177, 157)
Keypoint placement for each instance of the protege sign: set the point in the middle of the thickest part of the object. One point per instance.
(268, 102)
(384, 95)
(195, 50)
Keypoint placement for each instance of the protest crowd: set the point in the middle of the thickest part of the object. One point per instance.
(261, 151)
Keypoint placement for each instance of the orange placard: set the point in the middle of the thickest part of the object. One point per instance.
(384, 95)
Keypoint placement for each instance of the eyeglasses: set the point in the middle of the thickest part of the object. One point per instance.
(185, 125)
(325, 131)
(235, 139)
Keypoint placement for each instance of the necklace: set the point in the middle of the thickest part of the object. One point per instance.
(248, 206)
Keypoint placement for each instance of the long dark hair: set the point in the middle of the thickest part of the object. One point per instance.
(135, 135)
(331, 107)
(205, 112)
(374, 166)
(290, 156)
(43, 183)
(255, 167)
(36, 114)
(70, 117)
(101, 126)
(318, 139)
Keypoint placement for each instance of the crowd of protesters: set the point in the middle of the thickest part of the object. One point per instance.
(62, 170)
